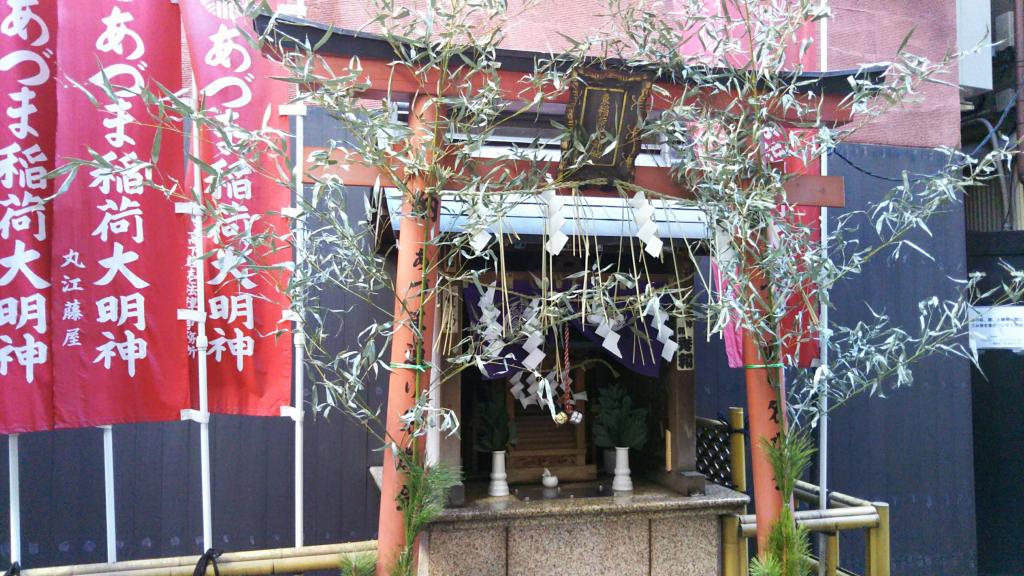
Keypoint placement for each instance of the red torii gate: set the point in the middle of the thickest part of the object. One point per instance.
(384, 79)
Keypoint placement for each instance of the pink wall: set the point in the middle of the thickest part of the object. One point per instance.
(861, 31)
(871, 31)
(535, 29)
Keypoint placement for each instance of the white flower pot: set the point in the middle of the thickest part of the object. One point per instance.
(499, 484)
(622, 481)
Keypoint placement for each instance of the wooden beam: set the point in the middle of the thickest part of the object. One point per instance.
(804, 190)
(385, 78)
(816, 190)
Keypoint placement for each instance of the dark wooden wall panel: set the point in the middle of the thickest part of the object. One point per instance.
(912, 449)
(998, 423)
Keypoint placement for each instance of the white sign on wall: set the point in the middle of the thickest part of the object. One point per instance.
(997, 327)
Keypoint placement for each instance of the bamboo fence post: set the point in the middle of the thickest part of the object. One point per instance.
(737, 449)
(871, 551)
(831, 553)
(738, 474)
(744, 556)
(731, 546)
(882, 540)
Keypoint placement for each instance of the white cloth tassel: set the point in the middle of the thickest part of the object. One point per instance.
(611, 344)
(533, 359)
(647, 227)
(553, 222)
(664, 334)
(480, 241)
(493, 344)
(534, 353)
(604, 329)
(519, 391)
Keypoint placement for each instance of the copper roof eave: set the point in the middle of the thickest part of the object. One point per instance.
(347, 43)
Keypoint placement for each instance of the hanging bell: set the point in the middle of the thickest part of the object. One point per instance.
(576, 417)
(561, 418)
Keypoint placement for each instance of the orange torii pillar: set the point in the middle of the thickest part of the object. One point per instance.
(767, 404)
(414, 313)
(766, 413)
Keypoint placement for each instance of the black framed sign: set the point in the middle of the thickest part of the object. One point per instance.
(604, 116)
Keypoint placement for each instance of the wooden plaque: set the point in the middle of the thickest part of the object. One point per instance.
(604, 116)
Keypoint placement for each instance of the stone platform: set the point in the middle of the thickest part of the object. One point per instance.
(651, 532)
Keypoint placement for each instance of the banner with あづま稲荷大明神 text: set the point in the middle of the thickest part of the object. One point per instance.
(119, 251)
(249, 356)
(28, 95)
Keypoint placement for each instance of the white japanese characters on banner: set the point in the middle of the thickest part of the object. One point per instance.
(27, 128)
(249, 357)
(119, 250)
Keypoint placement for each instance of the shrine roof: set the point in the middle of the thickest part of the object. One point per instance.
(365, 45)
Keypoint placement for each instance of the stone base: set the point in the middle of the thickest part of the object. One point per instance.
(652, 532)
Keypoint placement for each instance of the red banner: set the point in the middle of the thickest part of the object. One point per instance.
(119, 250)
(28, 40)
(249, 356)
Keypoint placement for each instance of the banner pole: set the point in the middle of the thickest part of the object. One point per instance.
(823, 353)
(296, 410)
(202, 416)
(108, 491)
(202, 344)
(204, 445)
(300, 341)
(14, 484)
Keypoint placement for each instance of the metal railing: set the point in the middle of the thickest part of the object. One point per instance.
(844, 512)
(273, 561)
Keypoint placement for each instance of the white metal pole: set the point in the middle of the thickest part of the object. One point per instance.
(296, 410)
(15, 497)
(108, 492)
(202, 344)
(823, 399)
(823, 355)
(823, 358)
(299, 337)
(202, 416)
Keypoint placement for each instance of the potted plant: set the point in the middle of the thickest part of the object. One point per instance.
(496, 434)
(619, 426)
